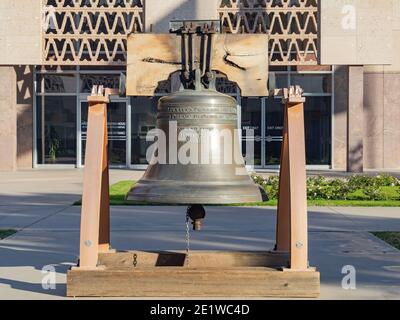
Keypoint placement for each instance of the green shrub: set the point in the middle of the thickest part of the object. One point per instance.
(273, 187)
(320, 188)
(270, 185)
(362, 182)
(359, 187)
(259, 180)
(374, 193)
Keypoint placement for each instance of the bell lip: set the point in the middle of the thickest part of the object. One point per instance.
(154, 201)
(152, 194)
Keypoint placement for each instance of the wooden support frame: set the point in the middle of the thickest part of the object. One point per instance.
(95, 214)
(211, 274)
(292, 224)
(107, 273)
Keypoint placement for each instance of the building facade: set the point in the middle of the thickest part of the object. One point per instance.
(351, 112)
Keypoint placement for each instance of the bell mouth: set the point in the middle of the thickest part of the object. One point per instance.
(188, 193)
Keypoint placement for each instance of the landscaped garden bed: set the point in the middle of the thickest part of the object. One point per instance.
(392, 238)
(360, 190)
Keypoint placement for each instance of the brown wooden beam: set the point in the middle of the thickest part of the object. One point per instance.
(95, 225)
(292, 221)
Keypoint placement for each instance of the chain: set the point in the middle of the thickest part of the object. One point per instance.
(135, 260)
(187, 239)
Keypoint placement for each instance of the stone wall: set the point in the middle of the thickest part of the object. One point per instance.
(24, 108)
(381, 118)
(339, 139)
(16, 118)
(8, 120)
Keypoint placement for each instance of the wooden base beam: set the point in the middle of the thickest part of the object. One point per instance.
(211, 274)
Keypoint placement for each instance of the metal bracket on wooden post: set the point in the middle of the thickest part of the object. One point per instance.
(292, 225)
(95, 214)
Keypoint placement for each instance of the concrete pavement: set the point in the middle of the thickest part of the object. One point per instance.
(39, 204)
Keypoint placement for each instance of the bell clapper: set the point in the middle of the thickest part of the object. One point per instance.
(196, 213)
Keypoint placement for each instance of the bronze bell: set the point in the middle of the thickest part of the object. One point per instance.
(215, 182)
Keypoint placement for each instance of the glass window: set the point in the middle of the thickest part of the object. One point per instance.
(251, 115)
(257, 162)
(313, 83)
(87, 81)
(273, 131)
(144, 119)
(274, 117)
(318, 124)
(55, 83)
(273, 151)
(56, 130)
(317, 118)
(117, 132)
(280, 80)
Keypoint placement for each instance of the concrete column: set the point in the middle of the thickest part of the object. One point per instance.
(24, 108)
(391, 119)
(8, 120)
(374, 110)
(16, 117)
(355, 143)
(340, 118)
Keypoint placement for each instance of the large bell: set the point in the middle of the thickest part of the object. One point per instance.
(214, 182)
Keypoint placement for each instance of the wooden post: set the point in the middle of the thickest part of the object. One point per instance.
(95, 215)
(283, 220)
(292, 222)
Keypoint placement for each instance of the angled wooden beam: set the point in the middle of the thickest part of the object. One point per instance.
(283, 221)
(292, 224)
(95, 214)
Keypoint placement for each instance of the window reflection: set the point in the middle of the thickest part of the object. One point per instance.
(144, 119)
(251, 115)
(56, 83)
(56, 130)
(117, 130)
(313, 83)
(318, 124)
(255, 159)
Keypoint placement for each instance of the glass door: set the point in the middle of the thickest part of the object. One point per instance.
(251, 117)
(274, 117)
(117, 132)
(56, 130)
(264, 118)
(143, 120)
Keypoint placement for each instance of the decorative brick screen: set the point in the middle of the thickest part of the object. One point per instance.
(291, 24)
(93, 32)
(89, 32)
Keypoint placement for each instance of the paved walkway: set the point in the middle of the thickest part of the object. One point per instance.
(38, 203)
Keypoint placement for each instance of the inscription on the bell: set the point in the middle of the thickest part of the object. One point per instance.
(226, 117)
(194, 109)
